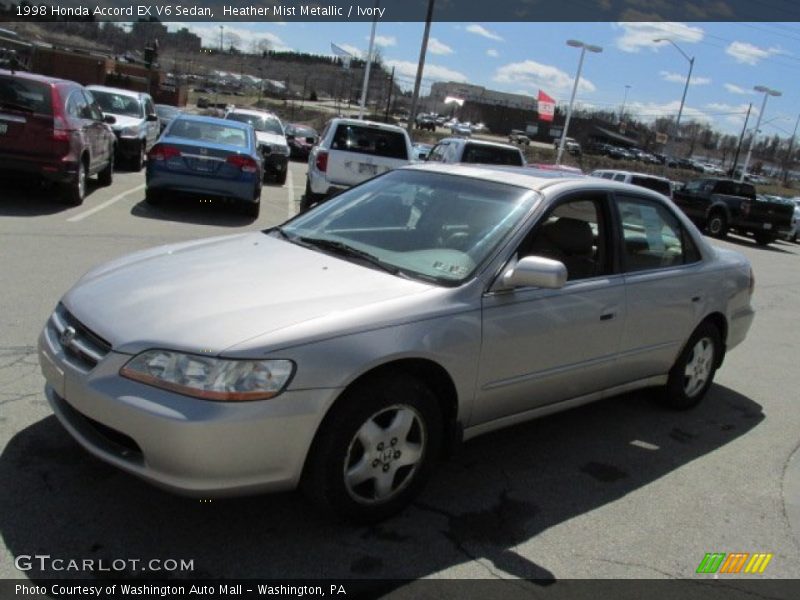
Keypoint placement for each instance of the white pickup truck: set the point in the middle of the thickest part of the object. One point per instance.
(351, 151)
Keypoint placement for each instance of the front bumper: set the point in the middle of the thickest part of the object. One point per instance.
(274, 162)
(128, 147)
(57, 171)
(186, 445)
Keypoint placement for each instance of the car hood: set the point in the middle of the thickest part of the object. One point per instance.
(212, 294)
(264, 137)
(125, 121)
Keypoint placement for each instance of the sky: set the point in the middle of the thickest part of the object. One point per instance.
(730, 59)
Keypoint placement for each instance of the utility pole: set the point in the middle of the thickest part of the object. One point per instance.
(389, 95)
(789, 152)
(365, 85)
(420, 66)
(741, 139)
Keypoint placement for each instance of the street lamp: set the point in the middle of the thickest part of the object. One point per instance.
(767, 93)
(584, 47)
(624, 100)
(683, 98)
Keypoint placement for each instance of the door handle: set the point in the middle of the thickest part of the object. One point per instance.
(607, 316)
(695, 298)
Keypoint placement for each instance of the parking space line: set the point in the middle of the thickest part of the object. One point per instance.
(290, 193)
(106, 204)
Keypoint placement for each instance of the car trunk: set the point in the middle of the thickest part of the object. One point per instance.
(359, 152)
(200, 160)
(778, 213)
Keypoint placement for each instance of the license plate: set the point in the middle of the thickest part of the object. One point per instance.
(3, 128)
(767, 225)
(371, 169)
(204, 165)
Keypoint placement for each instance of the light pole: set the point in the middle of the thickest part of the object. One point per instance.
(365, 86)
(683, 98)
(584, 47)
(624, 101)
(767, 93)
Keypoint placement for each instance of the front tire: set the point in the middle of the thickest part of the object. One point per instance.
(137, 164)
(106, 176)
(376, 449)
(764, 239)
(153, 197)
(717, 225)
(280, 178)
(693, 372)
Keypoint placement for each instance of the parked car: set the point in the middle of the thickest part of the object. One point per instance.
(300, 138)
(571, 146)
(136, 122)
(719, 204)
(794, 232)
(351, 151)
(53, 129)
(557, 168)
(347, 349)
(517, 136)
(420, 152)
(461, 150)
(662, 185)
(207, 156)
(166, 114)
(426, 122)
(461, 129)
(271, 138)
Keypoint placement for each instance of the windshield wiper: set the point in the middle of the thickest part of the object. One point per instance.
(342, 249)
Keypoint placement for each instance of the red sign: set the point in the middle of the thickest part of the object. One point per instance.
(547, 107)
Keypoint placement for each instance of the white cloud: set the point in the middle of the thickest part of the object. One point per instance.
(737, 112)
(748, 54)
(536, 75)
(437, 47)
(650, 111)
(641, 35)
(483, 32)
(735, 89)
(408, 70)
(492, 52)
(351, 49)
(678, 78)
(384, 40)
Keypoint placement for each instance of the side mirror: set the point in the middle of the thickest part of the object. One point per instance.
(289, 137)
(152, 117)
(536, 271)
(110, 119)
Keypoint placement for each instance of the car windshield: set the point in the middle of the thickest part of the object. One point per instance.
(201, 131)
(431, 226)
(259, 123)
(166, 112)
(118, 104)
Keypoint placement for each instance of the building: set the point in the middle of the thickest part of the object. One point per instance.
(480, 95)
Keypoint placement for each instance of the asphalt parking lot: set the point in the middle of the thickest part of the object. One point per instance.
(617, 489)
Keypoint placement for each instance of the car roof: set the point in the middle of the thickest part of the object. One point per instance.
(253, 111)
(113, 90)
(349, 121)
(36, 77)
(631, 173)
(479, 142)
(213, 121)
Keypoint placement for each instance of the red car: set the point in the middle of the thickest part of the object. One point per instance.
(53, 129)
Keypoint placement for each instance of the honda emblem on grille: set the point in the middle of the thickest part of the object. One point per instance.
(67, 336)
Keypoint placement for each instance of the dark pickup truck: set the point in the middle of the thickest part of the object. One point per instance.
(718, 205)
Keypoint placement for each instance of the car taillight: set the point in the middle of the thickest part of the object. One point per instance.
(61, 132)
(244, 163)
(745, 207)
(161, 152)
(322, 161)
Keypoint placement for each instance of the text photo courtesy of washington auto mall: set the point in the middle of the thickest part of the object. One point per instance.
(382, 299)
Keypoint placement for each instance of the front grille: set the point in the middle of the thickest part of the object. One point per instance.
(266, 150)
(79, 343)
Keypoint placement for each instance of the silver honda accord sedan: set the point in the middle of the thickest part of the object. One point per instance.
(348, 349)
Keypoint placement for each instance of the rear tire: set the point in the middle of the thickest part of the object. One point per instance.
(280, 178)
(75, 192)
(764, 239)
(693, 372)
(309, 199)
(717, 225)
(375, 449)
(137, 164)
(153, 197)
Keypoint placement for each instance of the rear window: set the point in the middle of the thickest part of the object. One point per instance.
(209, 132)
(370, 140)
(491, 155)
(25, 95)
(657, 185)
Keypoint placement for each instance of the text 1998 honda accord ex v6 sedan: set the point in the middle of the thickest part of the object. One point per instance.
(345, 350)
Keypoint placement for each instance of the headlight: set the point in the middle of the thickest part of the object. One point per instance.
(280, 149)
(132, 131)
(210, 378)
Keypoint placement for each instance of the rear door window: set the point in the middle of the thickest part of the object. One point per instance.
(651, 183)
(370, 140)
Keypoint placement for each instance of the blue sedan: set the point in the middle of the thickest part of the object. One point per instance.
(207, 157)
